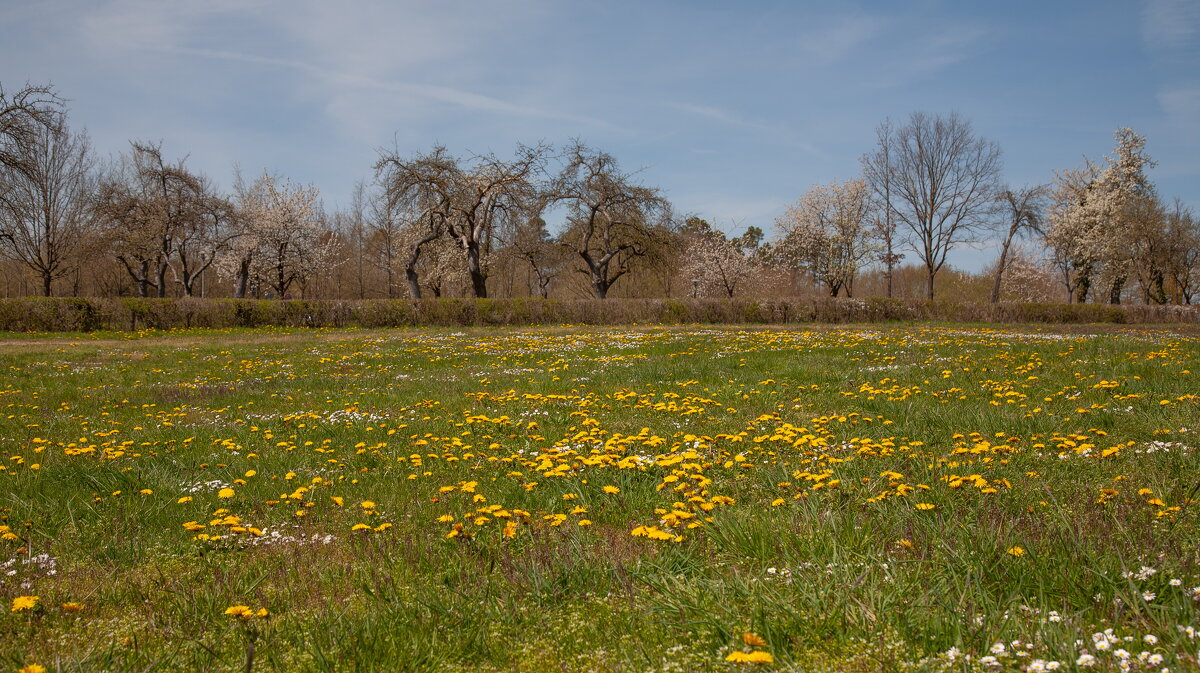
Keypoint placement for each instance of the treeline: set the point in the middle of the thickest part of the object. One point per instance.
(570, 223)
(79, 314)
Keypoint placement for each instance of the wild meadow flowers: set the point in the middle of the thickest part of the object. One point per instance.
(669, 499)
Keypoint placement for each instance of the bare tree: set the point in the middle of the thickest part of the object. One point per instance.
(944, 180)
(23, 116)
(148, 205)
(611, 220)
(426, 187)
(45, 201)
(878, 172)
(1023, 208)
(1182, 243)
(826, 234)
(532, 244)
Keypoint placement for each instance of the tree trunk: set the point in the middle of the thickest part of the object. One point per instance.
(46, 282)
(1114, 290)
(144, 280)
(243, 279)
(1000, 265)
(478, 277)
(929, 285)
(414, 286)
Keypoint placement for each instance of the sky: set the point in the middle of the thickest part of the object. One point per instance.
(733, 109)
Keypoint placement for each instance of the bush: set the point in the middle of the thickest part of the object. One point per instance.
(75, 314)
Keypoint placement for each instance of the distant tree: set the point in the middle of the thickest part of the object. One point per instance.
(1023, 212)
(45, 202)
(148, 206)
(281, 239)
(1182, 252)
(878, 171)
(532, 244)
(612, 221)
(826, 233)
(713, 263)
(943, 180)
(1027, 277)
(1095, 216)
(201, 244)
(1074, 258)
(425, 187)
(24, 117)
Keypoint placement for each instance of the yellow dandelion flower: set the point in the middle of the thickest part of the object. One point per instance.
(925, 506)
(1016, 551)
(225, 493)
(756, 657)
(611, 490)
(23, 603)
(753, 640)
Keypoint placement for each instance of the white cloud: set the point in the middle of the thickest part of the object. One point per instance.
(1170, 24)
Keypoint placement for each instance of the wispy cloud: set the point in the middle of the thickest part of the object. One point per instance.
(1170, 24)
(442, 94)
(843, 36)
(778, 131)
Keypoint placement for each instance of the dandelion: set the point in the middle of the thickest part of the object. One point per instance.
(33, 668)
(611, 490)
(756, 657)
(225, 493)
(71, 607)
(1016, 551)
(245, 612)
(24, 603)
(753, 640)
(925, 506)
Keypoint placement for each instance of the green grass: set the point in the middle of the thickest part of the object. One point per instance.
(781, 467)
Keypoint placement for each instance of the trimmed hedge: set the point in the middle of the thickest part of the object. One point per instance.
(56, 314)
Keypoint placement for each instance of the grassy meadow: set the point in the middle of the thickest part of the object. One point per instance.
(858, 498)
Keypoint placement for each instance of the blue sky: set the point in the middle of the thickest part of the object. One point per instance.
(733, 109)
